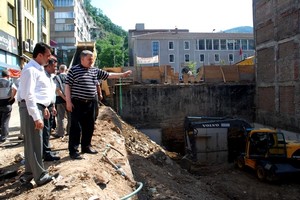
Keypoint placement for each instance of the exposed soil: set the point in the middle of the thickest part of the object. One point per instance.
(136, 162)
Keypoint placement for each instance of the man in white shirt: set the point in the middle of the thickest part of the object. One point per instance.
(34, 96)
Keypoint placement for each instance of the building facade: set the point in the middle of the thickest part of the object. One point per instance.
(179, 48)
(9, 55)
(70, 24)
(21, 29)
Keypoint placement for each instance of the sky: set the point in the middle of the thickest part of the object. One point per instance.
(195, 15)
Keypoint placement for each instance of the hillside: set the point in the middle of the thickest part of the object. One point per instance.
(240, 29)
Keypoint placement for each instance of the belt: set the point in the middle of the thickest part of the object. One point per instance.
(39, 104)
(83, 100)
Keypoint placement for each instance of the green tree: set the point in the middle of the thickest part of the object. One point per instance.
(111, 51)
(192, 67)
(111, 39)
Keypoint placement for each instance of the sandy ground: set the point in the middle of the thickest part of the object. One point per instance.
(131, 166)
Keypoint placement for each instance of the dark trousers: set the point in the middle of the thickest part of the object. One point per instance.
(5, 113)
(82, 124)
(46, 134)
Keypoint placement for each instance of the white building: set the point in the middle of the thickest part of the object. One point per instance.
(179, 47)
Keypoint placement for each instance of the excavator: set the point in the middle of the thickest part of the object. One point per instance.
(270, 154)
(264, 150)
(233, 128)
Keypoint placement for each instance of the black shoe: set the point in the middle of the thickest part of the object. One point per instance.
(57, 136)
(26, 177)
(89, 150)
(75, 156)
(2, 139)
(46, 178)
(50, 157)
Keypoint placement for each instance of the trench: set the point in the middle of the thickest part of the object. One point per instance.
(159, 111)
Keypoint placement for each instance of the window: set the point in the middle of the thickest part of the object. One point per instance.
(64, 15)
(216, 44)
(29, 29)
(11, 14)
(69, 27)
(244, 44)
(201, 57)
(70, 40)
(230, 58)
(64, 27)
(60, 21)
(155, 48)
(60, 40)
(251, 44)
(230, 44)
(217, 58)
(43, 16)
(223, 45)
(29, 5)
(171, 45)
(237, 44)
(186, 45)
(171, 58)
(63, 3)
(208, 44)
(186, 57)
(201, 45)
(59, 27)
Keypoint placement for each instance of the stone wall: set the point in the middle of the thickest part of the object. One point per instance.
(166, 106)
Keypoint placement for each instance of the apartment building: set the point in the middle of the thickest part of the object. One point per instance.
(21, 29)
(8, 35)
(179, 47)
(70, 24)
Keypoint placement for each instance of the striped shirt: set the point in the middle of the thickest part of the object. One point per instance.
(83, 81)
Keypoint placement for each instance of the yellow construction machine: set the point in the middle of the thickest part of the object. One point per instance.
(270, 154)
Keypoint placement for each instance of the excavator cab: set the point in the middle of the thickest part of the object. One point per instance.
(267, 152)
(265, 143)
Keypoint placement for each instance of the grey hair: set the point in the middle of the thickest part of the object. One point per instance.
(84, 53)
(62, 67)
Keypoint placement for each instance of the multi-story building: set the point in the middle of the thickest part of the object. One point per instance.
(35, 24)
(71, 24)
(178, 47)
(8, 35)
(23, 23)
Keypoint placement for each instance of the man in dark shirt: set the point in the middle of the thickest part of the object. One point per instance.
(50, 69)
(81, 91)
(7, 93)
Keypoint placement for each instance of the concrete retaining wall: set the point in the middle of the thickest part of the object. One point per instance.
(166, 106)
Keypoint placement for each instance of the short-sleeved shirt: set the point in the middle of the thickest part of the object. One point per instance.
(83, 81)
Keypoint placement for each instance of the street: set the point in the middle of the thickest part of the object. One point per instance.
(14, 123)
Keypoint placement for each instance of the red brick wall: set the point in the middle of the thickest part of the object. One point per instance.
(286, 102)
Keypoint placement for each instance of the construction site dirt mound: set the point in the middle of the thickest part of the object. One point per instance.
(129, 165)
